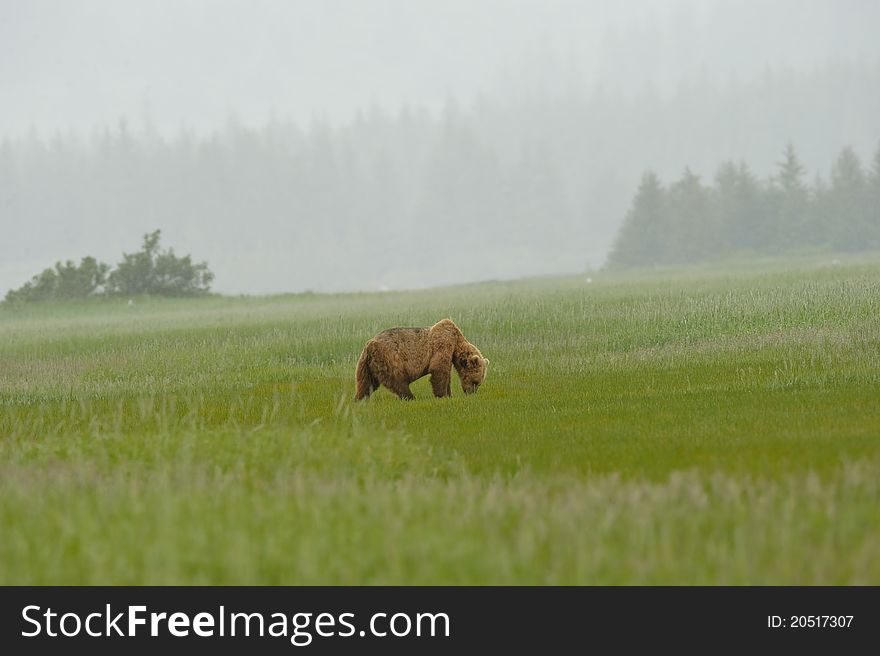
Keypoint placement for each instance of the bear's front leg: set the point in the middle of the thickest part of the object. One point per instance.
(440, 367)
(440, 383)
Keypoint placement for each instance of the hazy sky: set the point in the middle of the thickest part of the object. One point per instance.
(82, 63)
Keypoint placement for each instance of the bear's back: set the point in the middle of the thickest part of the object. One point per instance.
(400, 335)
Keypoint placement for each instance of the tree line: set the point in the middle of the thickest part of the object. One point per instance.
(689, 221)
(499, 187)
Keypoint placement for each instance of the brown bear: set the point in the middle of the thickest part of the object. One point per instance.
(398, 356)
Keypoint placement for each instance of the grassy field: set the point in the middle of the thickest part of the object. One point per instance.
(701, 427)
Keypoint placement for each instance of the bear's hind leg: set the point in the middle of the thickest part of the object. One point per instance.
(401, 388)
(365, 381)
(364, 390)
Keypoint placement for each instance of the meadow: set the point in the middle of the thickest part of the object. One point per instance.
(708, 426)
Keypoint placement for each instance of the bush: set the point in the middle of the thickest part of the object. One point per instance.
(148, 271)
(159, 273)
(64, 281)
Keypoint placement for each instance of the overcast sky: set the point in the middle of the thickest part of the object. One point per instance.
(82, 63)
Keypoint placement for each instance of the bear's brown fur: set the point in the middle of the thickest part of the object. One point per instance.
(398, 356)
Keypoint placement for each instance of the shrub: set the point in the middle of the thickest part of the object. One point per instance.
(160, 273)
(64, 281)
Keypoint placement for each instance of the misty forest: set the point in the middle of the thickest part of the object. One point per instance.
(740, 215)
(533, 174)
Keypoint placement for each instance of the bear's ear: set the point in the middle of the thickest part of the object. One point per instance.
(475, 360)
(485, 362)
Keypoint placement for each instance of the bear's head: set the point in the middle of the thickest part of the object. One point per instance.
(471, 367)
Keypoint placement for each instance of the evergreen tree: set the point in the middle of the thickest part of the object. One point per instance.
(639, 242)
(724, 199)
(739, 208)
(872, 201)
(820, 212)
(849, 199)
(693, 226)
(791, 221)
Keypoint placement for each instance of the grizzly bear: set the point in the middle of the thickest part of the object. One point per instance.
(398, 356)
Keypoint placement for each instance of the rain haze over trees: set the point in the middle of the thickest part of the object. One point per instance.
(335, 145)
(690, 222)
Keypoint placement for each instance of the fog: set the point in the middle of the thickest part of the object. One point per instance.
(383, 144)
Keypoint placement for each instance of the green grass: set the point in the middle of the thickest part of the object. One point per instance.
(717, 426)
